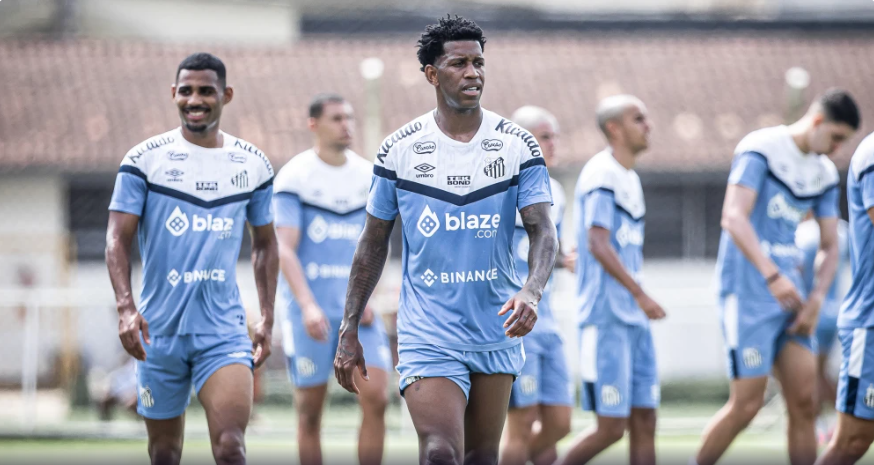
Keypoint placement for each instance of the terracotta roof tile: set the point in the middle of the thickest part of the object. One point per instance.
(80, 105)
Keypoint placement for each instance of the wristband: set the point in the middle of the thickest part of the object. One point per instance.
(772, 278)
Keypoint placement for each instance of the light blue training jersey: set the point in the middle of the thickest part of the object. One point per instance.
(788, 184)
(609, 196)
(457, 201)
(857, 310)
(327, 204)
(193, 205)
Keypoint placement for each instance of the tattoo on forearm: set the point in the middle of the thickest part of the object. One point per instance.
(544, 245)
(367, 265)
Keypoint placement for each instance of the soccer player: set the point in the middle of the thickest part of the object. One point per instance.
(807, 241)
(855, 404)
(190, 192)
(319, 202)
(456, 176)
(777, 175)
(543, 392)
(618, 363)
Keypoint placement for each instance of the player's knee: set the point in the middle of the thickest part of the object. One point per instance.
(309, 421)
(438, 451)
(803, 407)
(375, 403)
(612, 429)
(745, 410)
(165, 451)
(229, 447)
(855, 446)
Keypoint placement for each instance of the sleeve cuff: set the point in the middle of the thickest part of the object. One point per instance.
(381, 214)
(543, 198)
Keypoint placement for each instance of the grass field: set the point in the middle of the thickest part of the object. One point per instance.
(271, 439)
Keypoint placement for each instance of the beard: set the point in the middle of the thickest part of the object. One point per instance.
(196, 127)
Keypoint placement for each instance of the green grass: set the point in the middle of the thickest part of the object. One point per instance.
(671, 450)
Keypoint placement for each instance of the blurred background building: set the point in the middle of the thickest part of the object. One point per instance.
(83, 81)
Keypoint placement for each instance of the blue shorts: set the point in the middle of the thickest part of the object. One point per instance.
(544, 379)
(827, 328)
(417, 361)
(755, 333)
(311, 362)
(174, 363)
(856, 381)
(618, 364)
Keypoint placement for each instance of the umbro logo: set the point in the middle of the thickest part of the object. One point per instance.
(175, 175)
(424, 169)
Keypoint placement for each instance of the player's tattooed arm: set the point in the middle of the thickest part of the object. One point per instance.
(119, 237)
(265, 260)
(543, 240)
(367, 264)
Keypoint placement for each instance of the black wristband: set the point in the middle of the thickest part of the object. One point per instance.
(772, 278)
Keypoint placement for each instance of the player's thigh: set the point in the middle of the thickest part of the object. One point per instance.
(309, 403)
(374, 391)
(796, 370)
(555, 384)
(856, 380)
(520, 421)
(606, 368)
(528, 386)
(374, 341)
(645, 387)
(437, 408)
(751, 330)
(486, 411)
(310, 362)
(223, 379)
(227, 398)
(164, 378)
(852, 432)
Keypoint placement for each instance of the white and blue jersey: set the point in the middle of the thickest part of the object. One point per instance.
(610, 197)
(856, 318)
(545, 320)
(617, 354)
(545, 379)
(808, 243)
(457, 201)
(788, 184)
(193, 204)
(326, 203)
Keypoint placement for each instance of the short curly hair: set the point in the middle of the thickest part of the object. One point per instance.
(447, 29)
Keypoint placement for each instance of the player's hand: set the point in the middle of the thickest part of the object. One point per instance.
(315, 322)
(350, 356)
(367, 316)
(130, 324)
(521, 321)
(807, 318)
(569, 260)
(786, 294)
(262, 341)
(650, 307)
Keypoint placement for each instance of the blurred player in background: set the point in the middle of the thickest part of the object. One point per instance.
(617, 355)
(319, 202)
(777, 175)
(807, 241)
(543, 393)
(456, 177)
(855, 403)
(190, 192)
